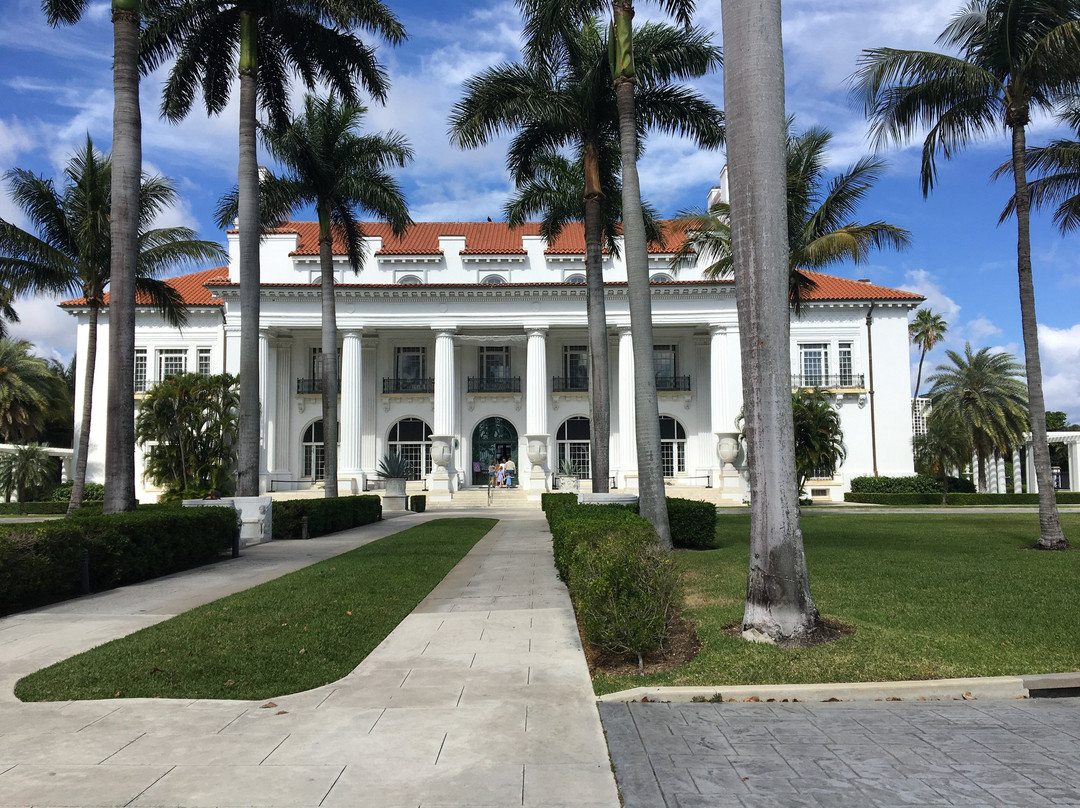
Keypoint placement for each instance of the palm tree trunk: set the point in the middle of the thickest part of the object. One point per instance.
(918, 379)
(599, 388)
(78, 484)
(779, 607)
(1051, 536)
(329, 355)
(124, 229)
(652, 502)
(247, 483)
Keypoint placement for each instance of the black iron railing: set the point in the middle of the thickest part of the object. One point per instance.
(839, 381)
(408, 385)
(478, 384)
(676, 384)
(569, 384)
(312, 387)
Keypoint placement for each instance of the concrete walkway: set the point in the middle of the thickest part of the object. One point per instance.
(481, 697)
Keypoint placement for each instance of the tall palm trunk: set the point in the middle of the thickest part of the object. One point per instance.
(779, 607)
(1051, 536)
(599, 387)
(329, 355)
(247, 483)
(78, 484)
(651, 496)
(918, 378)
(124, 230)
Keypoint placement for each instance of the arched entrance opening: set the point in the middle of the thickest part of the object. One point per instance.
(493, 439)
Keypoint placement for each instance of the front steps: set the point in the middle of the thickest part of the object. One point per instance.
(478, 498)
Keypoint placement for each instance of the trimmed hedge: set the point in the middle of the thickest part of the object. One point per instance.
(693, 523)
(324, 515)
(92, 492)
(910, 484)
(42, 563)
(20, 508)
(418, 503)
(572, 524)
(1063, 498)
(549, 501)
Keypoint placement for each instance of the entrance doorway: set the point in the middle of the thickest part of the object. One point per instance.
(494, 439)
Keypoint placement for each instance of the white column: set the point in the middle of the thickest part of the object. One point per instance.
(444, 475)
(286, 389)
(350, 476)
(975, 472)
(718, 380)
(1074, 466)
(1000, 469)
(627, 419)
(1032, 480)
(265, 390)
(536, 408)
(1018, 481)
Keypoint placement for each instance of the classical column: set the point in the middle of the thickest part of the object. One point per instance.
(269, 397)
(286, 389)
(1074, 466)
(1032, 482)
(350, 475)
(444, 475)
(265, 390)
(1001, 489)
(536, 409)
(1018, 481)
(627, 419)
(720, 414)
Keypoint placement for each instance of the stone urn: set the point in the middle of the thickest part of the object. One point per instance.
(727, 449)
(537, 450)
(442, 450)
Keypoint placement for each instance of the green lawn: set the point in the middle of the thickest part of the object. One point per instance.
(930, 596)
(300, 631)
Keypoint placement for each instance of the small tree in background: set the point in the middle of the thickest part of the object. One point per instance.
(945, 445)
(188, 425)
(26, 472)
(819, 440)
(926, 330)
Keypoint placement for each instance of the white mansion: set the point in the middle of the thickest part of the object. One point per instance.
(465, 341)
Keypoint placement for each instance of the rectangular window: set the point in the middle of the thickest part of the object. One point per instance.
(409, 364)
(494, 362)
(576, 367)
(140, 370)
(847, 378)
(814, 360)
(171, 362)
(204, 362)
(666, 362)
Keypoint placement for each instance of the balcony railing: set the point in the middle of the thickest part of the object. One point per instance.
(840, 381)
(311, 387)
(478, 384)
(569, 384)
(408, 386)
(672, 384)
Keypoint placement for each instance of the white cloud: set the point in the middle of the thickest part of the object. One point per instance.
(923, 282)
(51, 330)
(1059, 350)
(979, 329)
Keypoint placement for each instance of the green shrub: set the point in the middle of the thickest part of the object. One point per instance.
(324, 515)
(912, 484)
(42, 563)
(92, 492)
(549, 501)
(17, 508)
(572, 524)
(625, 588)
(693, 523)
(418, 503)
(1063, 498)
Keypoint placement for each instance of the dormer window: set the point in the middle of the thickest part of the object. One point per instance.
(493, 280)
(660, 277)
(410, 280)
(576, 279)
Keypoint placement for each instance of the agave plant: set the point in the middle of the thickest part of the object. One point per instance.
(394, 466)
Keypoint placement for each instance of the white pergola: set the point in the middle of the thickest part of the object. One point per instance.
(66, 457)
(997, 474)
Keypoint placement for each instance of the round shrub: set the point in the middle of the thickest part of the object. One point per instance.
(92, 492)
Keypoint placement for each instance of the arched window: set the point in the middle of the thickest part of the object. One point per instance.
(661, 277)
(411, 438)
(672, 446)
(576, 279)
(314, 457)
(409, 280)
(493, 280)
(572, 440)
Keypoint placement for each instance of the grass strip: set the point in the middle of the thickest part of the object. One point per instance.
(300, 631)
(930, 596)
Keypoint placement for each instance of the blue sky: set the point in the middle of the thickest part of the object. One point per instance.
(55, 86)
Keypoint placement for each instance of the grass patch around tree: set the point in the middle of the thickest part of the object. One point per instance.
(300, 631)
(930, 596)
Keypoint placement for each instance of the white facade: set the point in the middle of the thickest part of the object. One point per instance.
(462, 324)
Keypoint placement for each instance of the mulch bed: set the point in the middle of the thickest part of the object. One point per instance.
(682, 646)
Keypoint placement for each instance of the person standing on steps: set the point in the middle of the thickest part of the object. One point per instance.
(511, 471)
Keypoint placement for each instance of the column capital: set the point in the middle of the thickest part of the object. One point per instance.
(537, 331)
(717, 328)
(444, 330)
(623, 330)
(352, 333)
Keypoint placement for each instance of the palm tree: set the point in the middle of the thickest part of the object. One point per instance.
(819, 439)
(342, 174)
(945, 445)
(28, 386)
(72, 250)
(568, 102)
(310, 38)
(124, 228)
(819, 231)
(779, 607)
(1059, 164)
(1015, 56)
(926, 330)
(985, 392)
(25, 472)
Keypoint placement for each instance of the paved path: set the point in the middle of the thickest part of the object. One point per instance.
(481, 697)
(870, 755)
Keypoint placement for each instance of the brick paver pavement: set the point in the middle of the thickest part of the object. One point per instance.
(870, 754)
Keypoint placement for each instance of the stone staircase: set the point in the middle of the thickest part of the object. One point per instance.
(478, 498)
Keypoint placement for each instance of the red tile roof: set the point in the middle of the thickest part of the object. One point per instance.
(830, 287)
(192, 288)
